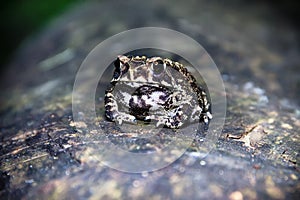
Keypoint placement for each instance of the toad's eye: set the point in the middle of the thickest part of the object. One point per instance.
(158, 67)
(117, 71)
(124, 68)
(121, 67)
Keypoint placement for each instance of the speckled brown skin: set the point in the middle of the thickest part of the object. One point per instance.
(151, 75)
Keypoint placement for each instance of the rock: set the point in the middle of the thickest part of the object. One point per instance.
(256, 157)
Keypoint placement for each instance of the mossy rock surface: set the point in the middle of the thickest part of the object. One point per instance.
(256, 156)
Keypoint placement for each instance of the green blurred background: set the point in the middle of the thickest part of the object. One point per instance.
(22, 18)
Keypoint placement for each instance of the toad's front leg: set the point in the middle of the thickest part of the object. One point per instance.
(173, 118)
(112, 110)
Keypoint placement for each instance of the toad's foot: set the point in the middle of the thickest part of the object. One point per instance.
(205, 117)
(123, 117)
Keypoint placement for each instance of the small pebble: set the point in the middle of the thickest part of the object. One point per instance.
(237, 195)
(202, 163)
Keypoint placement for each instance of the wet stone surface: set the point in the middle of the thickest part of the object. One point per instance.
(256, 156)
